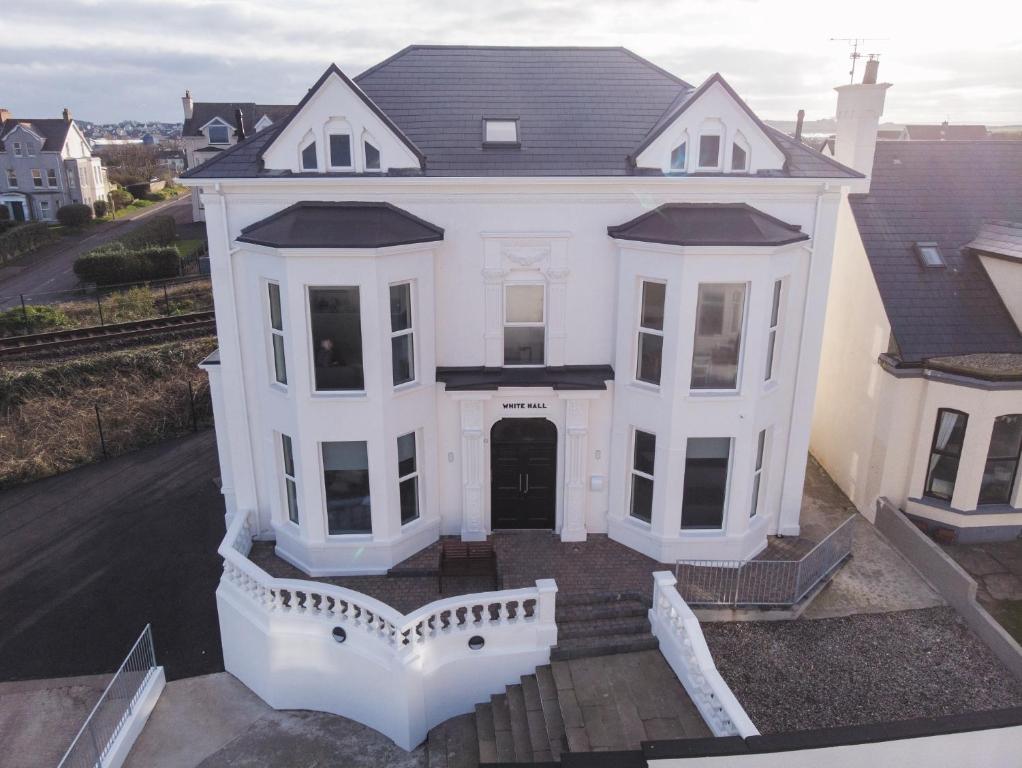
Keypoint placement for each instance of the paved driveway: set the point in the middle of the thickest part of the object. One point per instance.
(89, 557)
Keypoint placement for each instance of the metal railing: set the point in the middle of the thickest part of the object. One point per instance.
(93, 742)
(752, 583)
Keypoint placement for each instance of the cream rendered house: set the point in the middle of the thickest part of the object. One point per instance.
(920, 394)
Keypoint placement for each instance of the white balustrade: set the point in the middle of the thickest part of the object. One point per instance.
(684, 647)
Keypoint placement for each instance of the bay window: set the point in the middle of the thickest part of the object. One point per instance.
(705, 487)
(945, 453)
(402, 342)
(649, 358)
(336, 339)
(346, 486)
(716, 351)
(643, 460)
(524, 324)
(1001, 466)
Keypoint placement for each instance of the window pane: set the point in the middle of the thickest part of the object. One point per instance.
(409, 499)
(400, 307)
(402, 359)
(501, 130)
(309, 157)
(275, 319)
(524, 304)
(645, 452)
(651, 352)
(289, 457)
(346, 481)
(760, 444)
(706, 464)
(642, 498)
(1006, 439)
(776, 306)
(523, 345)
(1002, 461)
(218, 134)
(372, 157)
(279, 364)
(738, 158)
(931, 256)
(709, 151)
(653, 295)
(336, 338)
(678, 158)
(292, 500)
(340, 150)
(950, 432)
(771, 340)
(406, 454)
(718, 336)
(943, 471)
(755, 495)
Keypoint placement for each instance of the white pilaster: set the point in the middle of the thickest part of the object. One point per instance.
(576, 441)
(473, 526)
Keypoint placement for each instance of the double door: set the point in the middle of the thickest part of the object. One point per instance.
(523, 472)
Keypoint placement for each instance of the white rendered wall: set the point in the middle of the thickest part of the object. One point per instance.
(1007, 279)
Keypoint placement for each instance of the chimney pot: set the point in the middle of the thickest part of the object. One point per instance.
(187, 105)
(869, 77)
(239, 122)
(67, 115)
(798, 124)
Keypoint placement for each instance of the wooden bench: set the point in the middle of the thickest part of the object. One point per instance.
(467, 558)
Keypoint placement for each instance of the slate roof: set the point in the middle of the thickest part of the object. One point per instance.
(945, 132)
(52, 129)
(734, 224)
(340, 225)
(999, 238)
(581, 111)
(940, 191)
(204, 111)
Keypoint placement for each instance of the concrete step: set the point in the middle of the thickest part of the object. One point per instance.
(538, 737)
(633, 625)
(551, 711)
(618, 609)
(453, 744)
(502, 729)
(600, 598)
(519, 724)
(486, 742)
(606, 645)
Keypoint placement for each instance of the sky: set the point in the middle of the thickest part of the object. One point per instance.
(110, 60)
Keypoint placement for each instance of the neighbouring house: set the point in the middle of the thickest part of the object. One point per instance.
(45, 164)
(920, 395)
(944, 132)
(171, 159)
(453, 310)
(211, 127)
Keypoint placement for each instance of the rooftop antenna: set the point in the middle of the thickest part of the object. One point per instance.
(855, 42)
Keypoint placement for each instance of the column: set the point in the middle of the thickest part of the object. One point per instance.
(473, 526)
(557, 290)
(573, 528)
(493, 331)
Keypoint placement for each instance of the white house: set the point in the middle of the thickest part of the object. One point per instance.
(497, 288)
(920, 394)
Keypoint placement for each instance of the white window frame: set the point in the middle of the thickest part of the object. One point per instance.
(209, 133)
(12, 178)
(275, 333)
(709, 532)
(354, 535)
(632, 471)
(44, 210)
(542, 324)
(515, 142)
(414, 474)
(19, 148)
(329, 393)
(409, 331)
(773, 342)
(742, 344)
(52, 180)
(641, 329)
(761, 449)
(37, 178)
(721, 148)
(331, 132)
(286, 440)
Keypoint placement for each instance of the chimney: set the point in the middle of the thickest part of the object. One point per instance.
(5, 115)
(239, 122)
(798, 124)
(67, 115)
(188, 105)
(859, 107)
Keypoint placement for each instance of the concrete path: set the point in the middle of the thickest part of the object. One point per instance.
(51, 268)
(214, 720)
(39, 718)
(997, 568)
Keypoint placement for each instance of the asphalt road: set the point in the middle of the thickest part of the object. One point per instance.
(51, 269)
(89, 557)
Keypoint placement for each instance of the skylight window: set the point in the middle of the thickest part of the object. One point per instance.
(929, 254)
(500, 131)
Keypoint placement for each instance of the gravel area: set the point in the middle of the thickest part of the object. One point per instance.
(868, 668)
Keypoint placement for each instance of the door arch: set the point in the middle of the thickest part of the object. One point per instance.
(523, 474)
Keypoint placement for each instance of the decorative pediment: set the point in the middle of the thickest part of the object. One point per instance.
(338, 128)
(711, 131)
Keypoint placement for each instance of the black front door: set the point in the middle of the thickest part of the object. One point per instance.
(18, 210)
(523, 469)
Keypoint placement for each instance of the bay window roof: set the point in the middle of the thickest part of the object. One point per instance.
(708, 224)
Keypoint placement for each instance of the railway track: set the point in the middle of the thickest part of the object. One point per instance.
(55, 342)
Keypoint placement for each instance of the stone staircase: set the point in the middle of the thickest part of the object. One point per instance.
(601, 624)
(587, 704)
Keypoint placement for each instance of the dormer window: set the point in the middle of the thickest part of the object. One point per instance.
(309, 161)
(340, 151)
(500, 131)
(679, 157)
(709, 151)
(18, 149)
(929, 254)
(739, 158)
(219, 134)
(372, 157)
(264, 122)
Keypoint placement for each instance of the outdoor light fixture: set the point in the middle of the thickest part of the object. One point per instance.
(339, 634)
(476, 642)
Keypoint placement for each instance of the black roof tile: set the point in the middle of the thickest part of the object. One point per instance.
(707, 224)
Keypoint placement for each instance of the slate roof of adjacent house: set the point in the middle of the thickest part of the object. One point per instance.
(204, 111)
(312, 224)
(999, 238)
(581, 112)
(946, 132)
(52, 129)
(734, 224)
(942, 192)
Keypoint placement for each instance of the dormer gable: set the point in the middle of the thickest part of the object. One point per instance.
(264, 122)
(334, 129)
(710, 131)
(217, 131)
(22, 141)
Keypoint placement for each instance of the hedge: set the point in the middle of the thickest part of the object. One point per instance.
(99, 206)
(74, 215)
(27, 237)
(159, 230)
(115, 264)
